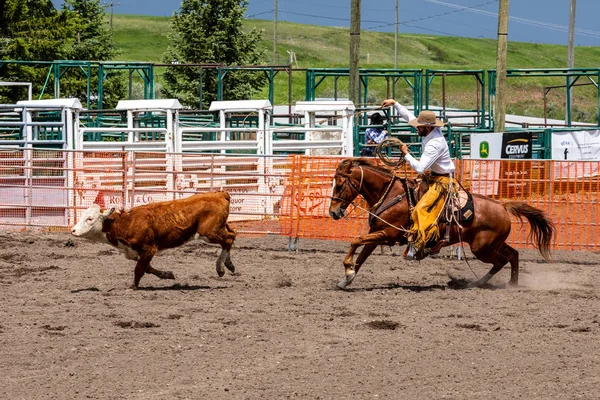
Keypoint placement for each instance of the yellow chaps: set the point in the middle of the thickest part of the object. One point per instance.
(426, 213)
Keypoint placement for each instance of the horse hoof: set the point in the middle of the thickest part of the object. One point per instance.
(348, 280)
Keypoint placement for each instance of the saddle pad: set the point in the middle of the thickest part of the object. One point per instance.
(466, 209)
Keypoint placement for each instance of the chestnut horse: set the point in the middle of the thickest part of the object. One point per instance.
(390, 199)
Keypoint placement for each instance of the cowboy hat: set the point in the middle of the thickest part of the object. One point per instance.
(376, 119)
(426, 118)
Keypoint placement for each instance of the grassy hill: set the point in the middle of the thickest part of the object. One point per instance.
(144, 38)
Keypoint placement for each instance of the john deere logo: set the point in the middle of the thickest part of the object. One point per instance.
(484, 149)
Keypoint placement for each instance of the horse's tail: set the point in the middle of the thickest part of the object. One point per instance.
(542, 228)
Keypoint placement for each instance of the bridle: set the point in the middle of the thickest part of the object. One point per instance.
(378, 207)
(348, 182)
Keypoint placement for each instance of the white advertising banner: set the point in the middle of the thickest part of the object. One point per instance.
(485, 174)
(572, 146)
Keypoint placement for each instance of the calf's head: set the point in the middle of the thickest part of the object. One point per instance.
(90, 225)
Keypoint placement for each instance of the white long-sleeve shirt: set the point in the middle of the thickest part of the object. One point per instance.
(435, 154)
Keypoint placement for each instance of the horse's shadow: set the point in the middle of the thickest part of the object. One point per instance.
(453, 284)
(392, 286)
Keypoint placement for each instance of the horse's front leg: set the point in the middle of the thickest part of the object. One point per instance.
(370, 242)
(352, 268)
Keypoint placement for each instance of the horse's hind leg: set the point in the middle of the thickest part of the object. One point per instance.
(513, 258)
(499, 259)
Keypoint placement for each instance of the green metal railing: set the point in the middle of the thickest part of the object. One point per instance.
(56, 70)
(479, 78)
(411, 77)
(571, 77)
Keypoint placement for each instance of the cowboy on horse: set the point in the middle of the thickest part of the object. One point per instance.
(477, 220)
(435, 157)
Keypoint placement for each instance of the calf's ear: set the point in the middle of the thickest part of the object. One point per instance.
(106, 213)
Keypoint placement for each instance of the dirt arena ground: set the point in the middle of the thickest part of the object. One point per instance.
(71, 329)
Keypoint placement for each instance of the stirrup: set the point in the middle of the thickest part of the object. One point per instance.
(409, 253)
(412, 253)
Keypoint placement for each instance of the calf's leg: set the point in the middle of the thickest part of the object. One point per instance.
(159, 273)
(229, 264)
(140, 269)
(225, 237)
(143, 267)
(232, 234)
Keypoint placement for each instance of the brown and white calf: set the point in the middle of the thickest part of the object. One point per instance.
(145, 230)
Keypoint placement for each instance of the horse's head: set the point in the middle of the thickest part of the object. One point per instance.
(347, 183)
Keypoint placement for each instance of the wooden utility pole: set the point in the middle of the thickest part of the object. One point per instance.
(354, 51)
(110, 5)
(396, 39)
(275, 34)
(571, 56)
(500, 113)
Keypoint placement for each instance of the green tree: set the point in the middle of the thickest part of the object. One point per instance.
(210, 32)
(93, 41)
(33, 30)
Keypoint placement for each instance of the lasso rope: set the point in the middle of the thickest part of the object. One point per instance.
(370, 213)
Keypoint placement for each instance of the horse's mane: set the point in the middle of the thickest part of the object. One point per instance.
(368, 163)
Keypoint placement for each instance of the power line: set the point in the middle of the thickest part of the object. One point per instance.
(526, 21)
(458, 8)
(318, 16)
(337, 7)
(261, 13)
(406, 23)
(433, 16)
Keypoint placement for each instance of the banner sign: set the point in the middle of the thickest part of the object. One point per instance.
(573, 146)
(576, 145)
(495, 147)
(516, 146)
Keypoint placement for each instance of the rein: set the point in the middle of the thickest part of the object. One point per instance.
(387, 191)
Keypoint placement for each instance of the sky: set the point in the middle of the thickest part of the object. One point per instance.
(536, 21)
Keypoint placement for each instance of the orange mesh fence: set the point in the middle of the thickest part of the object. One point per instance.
(305, 205)
(274, 195)
(567, 191)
